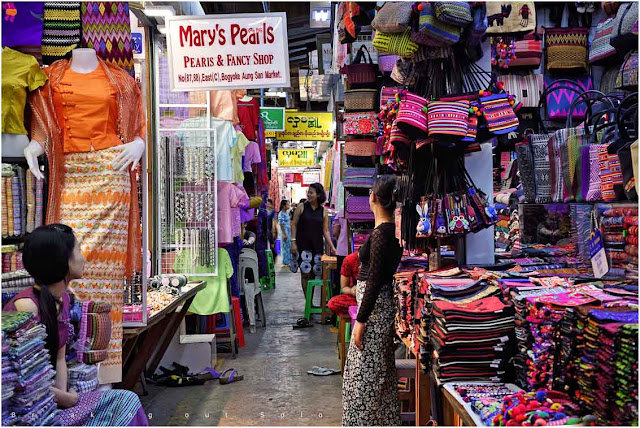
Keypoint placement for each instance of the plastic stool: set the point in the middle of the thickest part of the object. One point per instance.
(251, 289)
(308, 309)
(271, 270)
(238, 321)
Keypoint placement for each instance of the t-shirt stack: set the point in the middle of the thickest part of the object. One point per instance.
(472, 337)
(32, 401)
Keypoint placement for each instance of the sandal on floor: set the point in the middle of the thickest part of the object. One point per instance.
(302, 323)
(208, 374)
(322, 371)
(232, 377)
(175, 380)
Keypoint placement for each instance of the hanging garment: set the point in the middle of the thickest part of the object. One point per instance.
(62, 30)
(107, 29)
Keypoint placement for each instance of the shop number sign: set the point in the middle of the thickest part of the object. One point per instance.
(296, 157)
(272, 118)
(217, 52)
(305, 126)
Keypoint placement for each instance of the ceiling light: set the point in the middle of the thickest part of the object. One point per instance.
(163, 11)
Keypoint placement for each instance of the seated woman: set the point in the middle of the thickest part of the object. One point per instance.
(348, 279)
(52, 257)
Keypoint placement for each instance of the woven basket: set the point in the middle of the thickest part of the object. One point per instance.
(567, 49)
(361, 99)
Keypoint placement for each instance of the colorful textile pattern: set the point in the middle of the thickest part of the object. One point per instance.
(448, 118)
(22, 23)
(611, 181)
(499, 114)
(541, 167)
(95, 203)
(527, 172)
(107, 29)
(558, 188)
(567, 48)
(62, 30)
(105, 408)
(95, 332)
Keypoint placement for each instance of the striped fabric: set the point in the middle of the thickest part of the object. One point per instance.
(567, 49)
(600, 48)
(395, 44)
(39, 203)
(610, 175)
(594, 191)
(448, 118)
(31, 201)
(453, 12)
(5, 211)
(62, 30)
(17, 206)
(9, 201)
(526, 89)
(433, 32)
(499, 114)
(472, 128)
(412, 120)
(570, 152)
(107, 29)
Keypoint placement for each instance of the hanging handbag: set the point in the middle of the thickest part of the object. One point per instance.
(453, 12)
(567, 49)
(511, 17)
(395, 43)
(360, 72)
(412, 118)
(448, 119)
(498, 112)
(474, 33)
(404, 73)
(558, 101)
(393, 17)
(622, 35)
(347, 28)
(608, 80)
(472, 124)
(398, 137)
(364, 123)
(388, 94)
(591, 172)
(526, 89)
(528, 52)
(611, 180)
(542, 168)
(433, 32)
(386, 62)
(361, 99)
(627, 78)
(526, 169)
(601, 52)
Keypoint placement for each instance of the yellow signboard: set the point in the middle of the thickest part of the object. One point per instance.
(296, 157)
(305, 126)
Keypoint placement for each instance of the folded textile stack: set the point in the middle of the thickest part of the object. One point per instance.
(502, 238)
(33, 401)
(83, 378)
(13, 283)
(626, 376)
(359, 178)
(621, 247)
(471, 340)
(9, 378)
(360, 236)
(22, 208)
(11, 258)
(514, 232)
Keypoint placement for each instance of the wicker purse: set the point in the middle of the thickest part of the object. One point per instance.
(361, 99)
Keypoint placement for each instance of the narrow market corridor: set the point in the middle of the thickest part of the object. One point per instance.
(276, 389)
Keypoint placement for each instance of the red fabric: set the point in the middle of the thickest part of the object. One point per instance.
(340, 305)
(351, 268)
(248, 113)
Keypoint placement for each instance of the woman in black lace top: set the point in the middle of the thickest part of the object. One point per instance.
(369, 392)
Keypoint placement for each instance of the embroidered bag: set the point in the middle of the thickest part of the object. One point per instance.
(433, 32)
(412, 117)
(453, 12)
(510, 17)
(559, 101)
(478, 28)
(601, 52)
(567, 49)
(448, 119)
(499, 114)
(395, 43)
(393, 17)
(627, 78)
(526, 169)
(622, 35)
(526, 89)
(528, 52)
(364, 123)
(591, 172)
(542, 168)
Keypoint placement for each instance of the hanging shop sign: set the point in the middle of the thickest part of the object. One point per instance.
(239, 51)
(296, 158)
(272, 118)
(310, 177)
(305, 126)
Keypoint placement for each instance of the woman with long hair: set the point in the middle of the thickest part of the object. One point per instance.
(369, 389)
(53, 258)
(310, 226)
(285, 227)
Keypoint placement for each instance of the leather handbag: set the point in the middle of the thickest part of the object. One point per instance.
(433, 32)
(511, 17)
(453, 12)
(364, 123)
(567, 50)
(393, 17)
(601, 52)
(627, 77)
(526, 89)
(361, 99)
(622, 35)
(528, 52)
(395, 43)
(558, 101)
(361, 73)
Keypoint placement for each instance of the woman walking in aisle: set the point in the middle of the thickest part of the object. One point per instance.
(310, 225)
(284, 220)
(370, 390)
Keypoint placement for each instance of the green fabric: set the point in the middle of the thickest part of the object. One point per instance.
(214, 298)
(237, 152)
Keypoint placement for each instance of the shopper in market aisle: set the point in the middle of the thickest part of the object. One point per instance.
(370, 391)
(310, 225)
(271, 223)
(53, 258)
(284, 220)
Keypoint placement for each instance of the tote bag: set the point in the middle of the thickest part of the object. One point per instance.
(526, 89)
(510, 17)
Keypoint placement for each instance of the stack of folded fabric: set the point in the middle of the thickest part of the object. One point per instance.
(9, 378)
(360, 236)
(502, 237)
(604, 386)
(619, 252)
(15, 282)
(359, 178)
(626, 376)
(33, 401)
(83, 378)
(11, 258)
(630, 233)
(471, 340)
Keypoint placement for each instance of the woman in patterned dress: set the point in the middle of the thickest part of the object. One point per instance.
(285, 226)
(370, 391)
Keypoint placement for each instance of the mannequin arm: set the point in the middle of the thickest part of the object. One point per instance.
(130, 154)
(31, 153)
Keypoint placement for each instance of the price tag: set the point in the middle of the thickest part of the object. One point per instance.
(599, 261)
(499, 348)
(504, 339)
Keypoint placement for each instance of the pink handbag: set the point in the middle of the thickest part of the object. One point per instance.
(412, 115)
(361, 123)
(388, 94)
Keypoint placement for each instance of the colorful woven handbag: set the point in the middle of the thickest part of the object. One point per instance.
(364, 123)
(388, 94)
(499, 114)
(591, 183)
(361, 99)
(358, 209)
(453, 12)
(511, 17)
(528, 52)
(622, 35)
(601, 52)
(526, 89)
(627, 77)
(448, 119)
(398, 137)
(412, 118)
(432, 31)
(567, 49)
(395, 43)
(386, 62)
(558, 188)
(558, 102)
(526, 169)
(542, 168)
(472, 126)
(361, 73)
(393, 17)
(611, 181)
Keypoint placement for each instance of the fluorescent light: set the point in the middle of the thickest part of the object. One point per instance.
(275, 94)
(163, 11)
(162, 29)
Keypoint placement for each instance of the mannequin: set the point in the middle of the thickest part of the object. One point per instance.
(89, 121)
(85, 61)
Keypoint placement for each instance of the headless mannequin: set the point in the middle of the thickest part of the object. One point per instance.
(84, 61)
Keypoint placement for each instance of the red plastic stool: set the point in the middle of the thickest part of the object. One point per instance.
(211, 323)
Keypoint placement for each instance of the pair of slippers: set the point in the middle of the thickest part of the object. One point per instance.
(302, 323)
(177, 376)
(322, 371)
(225, 378)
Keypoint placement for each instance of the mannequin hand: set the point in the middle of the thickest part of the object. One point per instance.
(358, 334)
(31, 153)
(130, 154)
